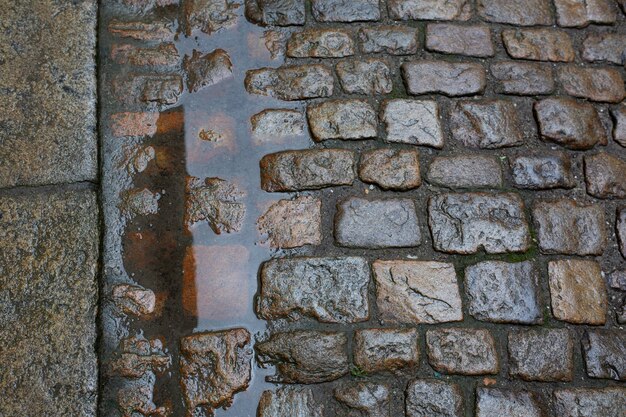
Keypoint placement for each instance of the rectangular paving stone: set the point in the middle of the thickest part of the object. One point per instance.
(416, 122)
(468, 40)
(276, 12)
(433, 398)
(580, 13)
(296, 82)
(367, 77)
(541, 355)
(605, 354)
(429, 9)
(462, 351)
(414, 292)
(393, 40)
(342, 119)
(391, 169)
(621, 230)
(605, 175)
(370, 398)
(289, 402)
(378, 350)
(577, 291)
(375, 224)
(308, 169)
(165, 54)
(442, 77)
(542, 172)
(345, 10)
(590, 402)
(466, 223)
(292, 223)
(516, 12)
(494, 402)
(619, 124)
(596, 84)
(605, 47)
(320, 43)
(465, 171)
(49, 243)
(522, 78)
(569, 227)
(331, 290)
(48, 104)
(539, 44)
(153, 29)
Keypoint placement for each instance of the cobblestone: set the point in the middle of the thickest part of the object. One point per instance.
(528, 13)
(332, 290)
(345, 10)
(320, 43)
(577, 291)
(466, 223)
(391, 169)
(206, 70)
(523, 78)
(342, 119)
(164, 54)
(429, 9)
(621, 231)
(588, 402)
(605, 354)
(433, 398)
(365, 398)
(307, 169)
(442, 77)
(619, 129)
(377, 350)
(279, 13)
(305, 357)
(459, 39)
(367, 77)
(541, 355)
(291, 83)
(394, 40)
(570, 123)
(605, 176)
(465, 171)
(413, 292)
(503, 292)
(149, 30)
(292, 223)
(135, 300)
(569, 227)
(415, 122)
(208, 16)
(486, 124)
(289, 402)
(493, 402)
(597, 84)
(580, 13)
(215, 201)
(604, 47)
(462, 351)
(271, 124)
(539, 44)
(542, 172)
(389, 223)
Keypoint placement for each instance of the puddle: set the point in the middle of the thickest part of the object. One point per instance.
(203, 281)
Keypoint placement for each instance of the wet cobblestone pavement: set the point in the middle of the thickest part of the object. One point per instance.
(316, 208)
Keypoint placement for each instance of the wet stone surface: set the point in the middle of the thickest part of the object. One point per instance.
(541, 355)
(364, 399)
(442, 77)
(590, 402)
(389, 223)
(619, 129)
(596, 84)
(462, 351)
(342, 119)
(529, 13)
(216, 202)
(539, 44)
(503, 292)
(580, 13)
(291, 83)
(605, 354)
(377, 350)
(320, 43)
(391, 169)
(542, 172)
(467, 171)
(413, 292)
(621, 230)
(305, 357)
(292, 223)
(289, 402)
(465, 223)
(416, 122)
(429, 397)
(332, 290)
(429, 9)
(605, 176)
(273, 124)
(605, 47)
(345, 10)
(522, 78)
(279, 13)
(206, 70)
(394, 40)
(491, 402)
(459, 39)
(366, 77)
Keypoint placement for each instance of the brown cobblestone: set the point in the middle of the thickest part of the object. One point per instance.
(541, 355)
(394, 40)
(605, 176)
(391, 169)
(459, 39)
(568, 227)
(465, 171)
(367, 77)
(379, 350)
(442, 77)
(320, 43)
(135, 300)
(580, 13)
(621, 230)
(570, 123)
(486, 124)
(523, 78)
(345, 10)
(276, 12)
(522, 13)
(605, 47)
(208, 16)
(215, 201)
(589, 402)
(152, 30)
(493, 402)
(292, 223)
(307, 169)
(577, 291)
(542, 172)
(415, 122)
(291, 83)
(619, 125)
(289, 402)
(164, 54)
(365, 398)
(429, 9)
(342, 119)
(433, 398)
(137, 356)
(148, 88)
(414, 292)
(206, 70)
(384, 223)
(605, 354)
(597, 84)
(539, 44)
(145, 124)
(462, 351)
